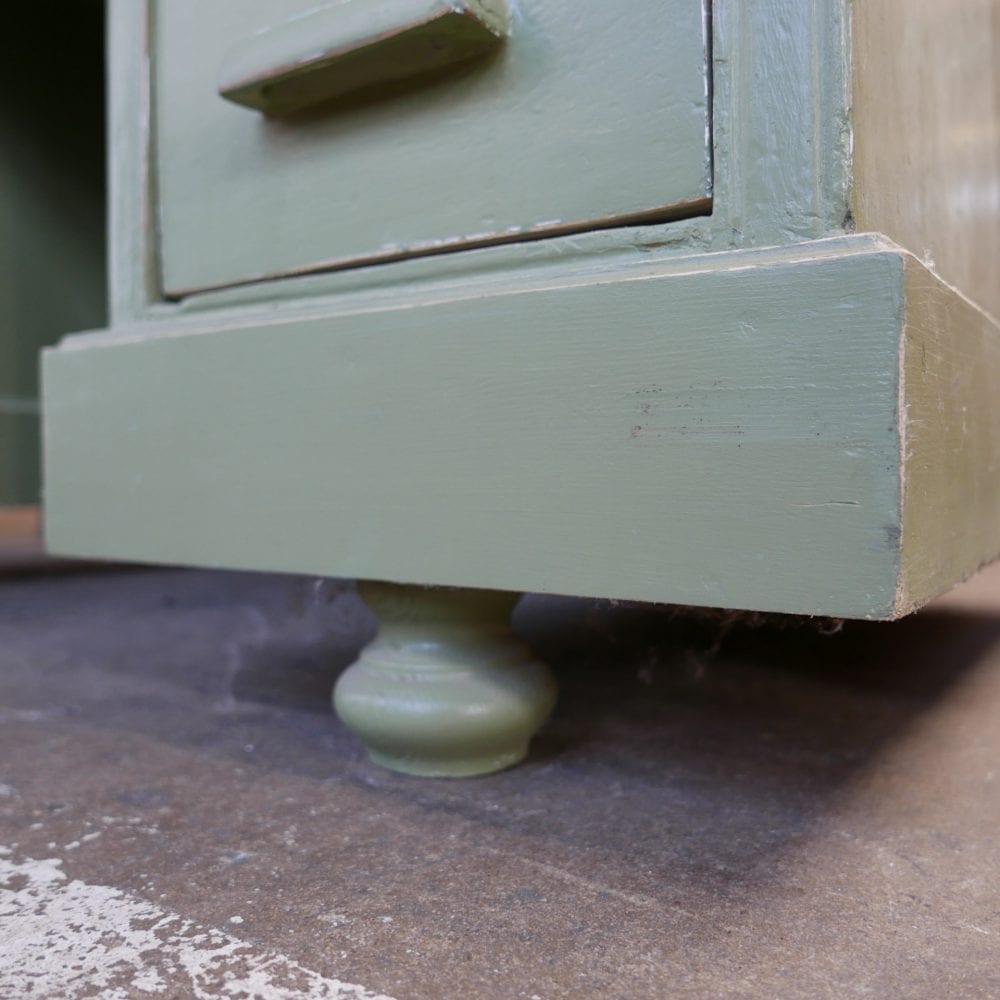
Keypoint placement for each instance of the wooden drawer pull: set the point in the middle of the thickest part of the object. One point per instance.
(343, 48)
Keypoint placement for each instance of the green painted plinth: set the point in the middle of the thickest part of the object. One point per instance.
(445, 689)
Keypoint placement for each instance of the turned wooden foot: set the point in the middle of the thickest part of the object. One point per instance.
(445, 690)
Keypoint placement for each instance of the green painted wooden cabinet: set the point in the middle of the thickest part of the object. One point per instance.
(628, 300)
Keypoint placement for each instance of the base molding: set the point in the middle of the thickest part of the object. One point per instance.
(721, 430)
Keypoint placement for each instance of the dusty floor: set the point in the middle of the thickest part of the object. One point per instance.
(756, 813)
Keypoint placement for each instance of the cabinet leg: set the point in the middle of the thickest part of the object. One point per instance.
(445, 689)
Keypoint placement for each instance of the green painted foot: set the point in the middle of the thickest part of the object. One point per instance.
(445, 690)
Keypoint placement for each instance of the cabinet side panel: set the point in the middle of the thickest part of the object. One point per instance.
(720, 438)
(927, 135)
(951, 472)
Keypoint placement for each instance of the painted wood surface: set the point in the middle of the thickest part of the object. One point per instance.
(951, 473)
(133, 268)
(716, 433)
(529, 140)
(805, 65)
(480, 419)
(927, 135)
(329, 54)
(780, 120)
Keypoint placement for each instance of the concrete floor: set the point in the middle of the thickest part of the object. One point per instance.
(714, 810)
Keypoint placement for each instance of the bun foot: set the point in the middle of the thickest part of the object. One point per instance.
(445, 690)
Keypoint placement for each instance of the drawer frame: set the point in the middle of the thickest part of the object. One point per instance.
(750, 205)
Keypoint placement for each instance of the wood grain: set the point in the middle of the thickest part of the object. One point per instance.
(927, 135)
(951, 470)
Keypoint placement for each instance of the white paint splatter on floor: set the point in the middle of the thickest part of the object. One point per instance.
(63, 938)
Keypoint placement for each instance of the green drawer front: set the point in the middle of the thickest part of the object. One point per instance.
(588, 112)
